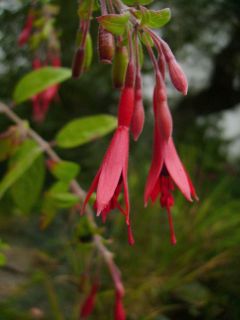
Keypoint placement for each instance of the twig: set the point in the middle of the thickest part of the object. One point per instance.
(98, 240)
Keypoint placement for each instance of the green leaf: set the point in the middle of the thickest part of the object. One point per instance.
(115, 23)
(38, 80)
(64, 199)
(26, 190)
(153, 19)
(84, 130)
(65, 170)
(22, 160)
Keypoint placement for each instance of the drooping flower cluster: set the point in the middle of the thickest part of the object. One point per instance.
(166, 169)
(39, 33)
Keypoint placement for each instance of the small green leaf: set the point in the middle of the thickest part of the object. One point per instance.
(64, 199)
(38, 80)
(65, 170)
(152, 18)
(84, 130)
(115, 23)
(26, 190)
(20, 163)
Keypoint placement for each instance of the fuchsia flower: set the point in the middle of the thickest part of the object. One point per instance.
(88, 305)
(112, 175)
(26, 31)
(166, 168)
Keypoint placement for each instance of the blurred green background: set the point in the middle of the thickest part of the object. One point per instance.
(200, 277)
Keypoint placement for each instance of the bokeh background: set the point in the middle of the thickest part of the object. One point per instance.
(200, 277)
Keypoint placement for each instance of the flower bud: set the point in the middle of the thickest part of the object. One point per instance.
(138, 113)
(88, 53)
(119, 67)
(106, 46)
(177, 76)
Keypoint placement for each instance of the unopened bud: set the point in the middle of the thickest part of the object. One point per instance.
(106, 46)
(88, 53)
(178, 77)
(119, 67)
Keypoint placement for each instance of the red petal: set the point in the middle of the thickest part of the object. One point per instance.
(112, 167)
(156, 166)
(176, 170)
(125, 188)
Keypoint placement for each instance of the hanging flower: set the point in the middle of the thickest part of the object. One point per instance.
(111, 178)
(166, 169)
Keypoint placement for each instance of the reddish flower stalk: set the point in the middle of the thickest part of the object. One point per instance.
(138, 114)
(89, 303)
(27, 29)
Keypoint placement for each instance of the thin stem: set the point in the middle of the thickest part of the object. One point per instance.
(103, 7)
(76, 189)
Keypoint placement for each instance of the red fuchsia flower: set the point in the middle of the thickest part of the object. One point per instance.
(26, 31)
(111, 178)
(166, 169)
(177, 75)
(89, 303)
(119, 312)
